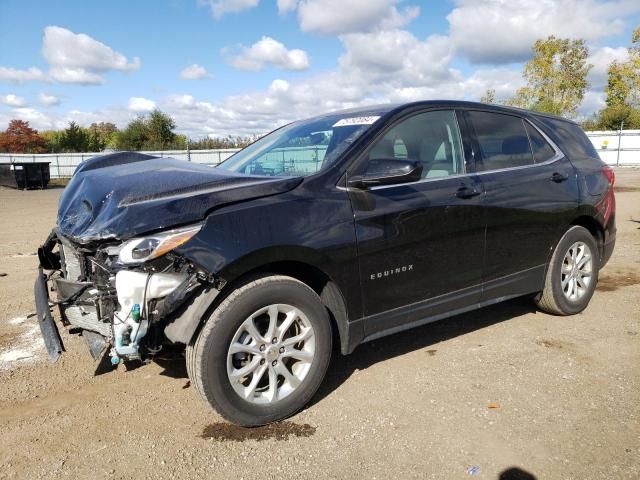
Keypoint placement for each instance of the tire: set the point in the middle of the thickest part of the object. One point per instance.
(561, 294)
(286, 374)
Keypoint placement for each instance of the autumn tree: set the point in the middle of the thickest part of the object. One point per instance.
(556, 77)
(623, 91)
(19, 137)
(102, 135)
(489, 96)
(623, 82)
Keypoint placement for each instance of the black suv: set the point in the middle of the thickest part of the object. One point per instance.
(342, 228)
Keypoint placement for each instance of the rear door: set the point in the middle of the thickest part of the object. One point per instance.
(531, 191)
(420, 244)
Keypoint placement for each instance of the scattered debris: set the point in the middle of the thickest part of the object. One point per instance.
(473, 470)
(17, 320)
(29, 346)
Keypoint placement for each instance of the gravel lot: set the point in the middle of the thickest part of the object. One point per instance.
(490, 394)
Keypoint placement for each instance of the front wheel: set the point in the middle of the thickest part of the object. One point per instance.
(264, 351)
(572, 274)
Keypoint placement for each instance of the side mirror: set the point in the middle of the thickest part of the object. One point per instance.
(388, 171)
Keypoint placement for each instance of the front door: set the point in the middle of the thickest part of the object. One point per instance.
(420, 244)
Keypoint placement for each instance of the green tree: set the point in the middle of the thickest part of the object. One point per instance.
(615, 116)
(74, 139)
(556, 77)
(134, 136)
(160, 132)
(52, 140)
(152, 132)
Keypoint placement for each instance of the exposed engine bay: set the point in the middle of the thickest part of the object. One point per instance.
(122, 295)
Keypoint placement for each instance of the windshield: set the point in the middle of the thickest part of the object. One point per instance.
(300, 148)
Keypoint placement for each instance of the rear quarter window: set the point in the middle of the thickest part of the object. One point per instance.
(570, 138)
(542, 151)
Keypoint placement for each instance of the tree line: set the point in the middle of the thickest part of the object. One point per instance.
(556, 82)
(155, 131)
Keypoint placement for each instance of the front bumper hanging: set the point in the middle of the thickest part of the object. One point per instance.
(49, 330)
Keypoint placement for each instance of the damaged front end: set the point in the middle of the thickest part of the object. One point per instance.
(127, 299)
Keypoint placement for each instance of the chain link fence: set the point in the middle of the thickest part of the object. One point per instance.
(617, 148)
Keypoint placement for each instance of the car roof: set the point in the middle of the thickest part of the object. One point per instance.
(392, 108)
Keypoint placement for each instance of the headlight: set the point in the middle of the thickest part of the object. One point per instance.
(139, 250)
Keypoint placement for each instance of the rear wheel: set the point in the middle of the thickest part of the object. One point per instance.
(263, 352)
(572, 274)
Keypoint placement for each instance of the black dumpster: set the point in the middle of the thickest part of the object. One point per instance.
(24, 174)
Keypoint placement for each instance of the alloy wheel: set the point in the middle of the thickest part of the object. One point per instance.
(270, 354)
(576, 271)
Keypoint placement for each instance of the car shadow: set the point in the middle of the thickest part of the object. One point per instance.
(368, 354)
(172, 361)
(515, 473)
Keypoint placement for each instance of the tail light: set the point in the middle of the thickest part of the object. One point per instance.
(610, 174)
(608, 204)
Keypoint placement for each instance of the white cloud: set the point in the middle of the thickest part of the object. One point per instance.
(503, 31)
(194, 72)
(78, 58)
(285, 6)
(12, 100)
(268, 51)
(398, 57)
(79, 76)
(36, 119)
(221, 7)
(48, 100)
(601, 58)
(141, 104)
(592, 102)
(335, 17)
(20, 76)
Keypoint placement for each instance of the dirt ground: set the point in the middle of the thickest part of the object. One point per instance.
(491, 394)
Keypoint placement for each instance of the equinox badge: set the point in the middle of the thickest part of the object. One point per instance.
(391, 272)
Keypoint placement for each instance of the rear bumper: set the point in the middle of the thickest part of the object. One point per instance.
(48, 328)
(607, 249)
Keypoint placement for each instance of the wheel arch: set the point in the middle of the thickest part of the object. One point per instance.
(314, 277)
(594, 227)
(303, 264)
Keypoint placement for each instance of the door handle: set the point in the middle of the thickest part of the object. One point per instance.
(559, 177)
(467, 192)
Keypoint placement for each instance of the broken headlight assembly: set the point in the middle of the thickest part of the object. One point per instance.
(138, 289)
(143, 249)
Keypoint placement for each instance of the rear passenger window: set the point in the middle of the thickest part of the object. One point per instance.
(503, 141)
(542, 151)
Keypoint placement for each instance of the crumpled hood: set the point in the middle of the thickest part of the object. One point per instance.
(126, 194)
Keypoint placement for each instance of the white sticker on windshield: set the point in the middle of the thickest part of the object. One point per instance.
(356, 121)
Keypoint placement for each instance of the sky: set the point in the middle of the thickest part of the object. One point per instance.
(242, 67)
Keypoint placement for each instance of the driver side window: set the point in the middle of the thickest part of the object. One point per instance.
(432, 138)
